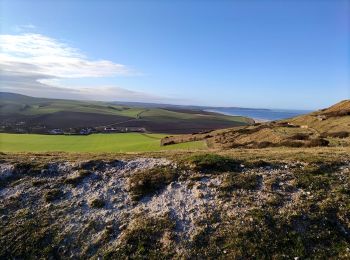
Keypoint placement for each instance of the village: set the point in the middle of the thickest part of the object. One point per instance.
(21, 127)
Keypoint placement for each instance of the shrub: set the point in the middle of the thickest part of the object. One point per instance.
(97, 203)
(148, 181)
(78, 178)
(299, 136)
(290, 143)
(164, 143)
(213, 162)
(263, 144)
(317, 142)
(259, 163)
(275, 200)
(342, 134)
(30, 168)
(92, 165)
(342, 112)
(53, 194)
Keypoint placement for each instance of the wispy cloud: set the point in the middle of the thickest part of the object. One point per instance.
(24, 27)
(37, 65)
(36, 53)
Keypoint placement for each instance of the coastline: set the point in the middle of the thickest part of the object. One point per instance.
(261, 115)
(256, 120)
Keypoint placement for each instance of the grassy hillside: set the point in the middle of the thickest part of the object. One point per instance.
(327, 127)
(37, 115)
(330, 120)
(274, 203)
(123, 142)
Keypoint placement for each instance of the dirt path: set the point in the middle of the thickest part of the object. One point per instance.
(138, 116)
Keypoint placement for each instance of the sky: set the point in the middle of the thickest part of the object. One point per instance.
(259, 54)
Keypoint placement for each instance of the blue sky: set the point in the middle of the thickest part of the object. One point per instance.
(271, 54)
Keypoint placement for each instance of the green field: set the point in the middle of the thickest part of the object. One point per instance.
(123, 142)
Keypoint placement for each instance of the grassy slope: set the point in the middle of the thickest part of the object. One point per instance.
(314, 125)
(153, 119)
(130, 142)
(299, 210)
(38, 106)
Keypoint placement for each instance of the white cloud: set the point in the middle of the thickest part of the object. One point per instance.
(51, 57)
(37, 65)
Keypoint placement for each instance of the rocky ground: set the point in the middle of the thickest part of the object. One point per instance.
(207, 206)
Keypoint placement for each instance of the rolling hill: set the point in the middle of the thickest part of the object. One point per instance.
(330, 126)
(180, 201)
(19, 113)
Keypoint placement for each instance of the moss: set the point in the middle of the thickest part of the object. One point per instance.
(246, 181)
(147, 182)
(312, 182)
(267, 234)
(53, 195)
(30, 238)
(275, 200)
(213, 162)
(143, 240)
(259, 163)
(316, 177)
(23, 169)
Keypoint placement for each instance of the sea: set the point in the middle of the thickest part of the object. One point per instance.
(260, 114)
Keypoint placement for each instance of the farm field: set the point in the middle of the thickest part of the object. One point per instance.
(121, 142)
(31, 114)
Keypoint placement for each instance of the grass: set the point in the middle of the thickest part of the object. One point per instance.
(149, 181)
(78, 178)
(128, 142)
(241, 181)
(143, 240)
(213, 162)
(315, 226)
(97, 203)
(53, 194)
(65, 114)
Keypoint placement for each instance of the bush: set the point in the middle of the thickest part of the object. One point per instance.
(317, 142)
(213, 162)
(78, 178)
(53, 194)
(343, 112)
(164, 143)
(299, 136)
(263, 144)
(290, 143)
(30, 168)
(342, 134)
(97, 203)
(92, 165)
